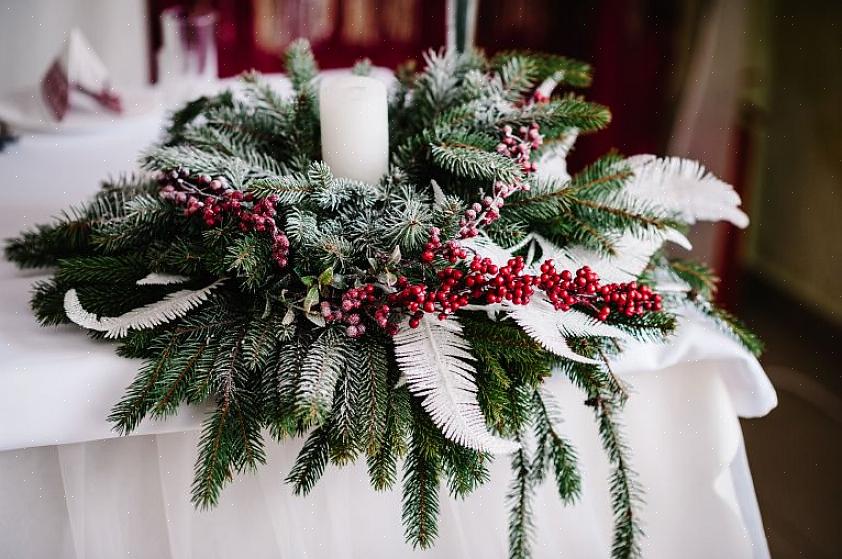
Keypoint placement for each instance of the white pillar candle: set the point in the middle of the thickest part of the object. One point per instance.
(355, 127)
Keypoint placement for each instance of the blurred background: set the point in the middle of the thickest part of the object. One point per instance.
(751, 88)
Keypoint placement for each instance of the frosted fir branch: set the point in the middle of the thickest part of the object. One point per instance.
(475, 163)
(551, 66)
(300, 64)
(518, 75)
(171, 307)
(558, 116)
(436, 362)
(362, 67)
(320, 371)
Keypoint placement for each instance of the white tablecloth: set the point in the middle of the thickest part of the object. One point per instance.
(68, 489)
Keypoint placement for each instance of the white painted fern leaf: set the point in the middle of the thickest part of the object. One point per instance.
(550, 327)
(553, 164)
(436, 362)
(161, 279)
(171, 307)
(572, 323)
(685, 187)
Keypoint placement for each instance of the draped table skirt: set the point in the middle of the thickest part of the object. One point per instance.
(129, 497)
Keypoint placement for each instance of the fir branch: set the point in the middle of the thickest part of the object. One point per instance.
(101, 269)
(300, 64)
(550, 66)
(215, 463)
(465, 469)
(518, 75)
(170, 387)
(552, 450)
(559, 116)
(474, 163)
(48, 302)
(421, 483)
(699, 277)
(730, 324)
(382, 463)
(290, 190)
(260, 344)
(70, 234)
(342, 423)
(625, 490)
(521, 526)
(192, 110)
(311, 462)
(281, 388)
(320, 371)
(249, 257)
(144, 216)
(369, 374)
(137, 400)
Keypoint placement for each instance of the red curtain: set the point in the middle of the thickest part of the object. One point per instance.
(252, 34)
(628, 42)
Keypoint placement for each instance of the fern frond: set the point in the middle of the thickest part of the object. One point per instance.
(685, 187)
(437, 365)
(171, 307)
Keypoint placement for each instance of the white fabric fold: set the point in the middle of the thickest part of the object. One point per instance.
(130, 496)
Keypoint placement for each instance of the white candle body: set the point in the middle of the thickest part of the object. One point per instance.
(355, 127)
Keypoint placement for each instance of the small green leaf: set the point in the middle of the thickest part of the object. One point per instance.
(395, 257)
(388, 278)
(326, 277)
(311, 299)
(289, 317)
(338, 281)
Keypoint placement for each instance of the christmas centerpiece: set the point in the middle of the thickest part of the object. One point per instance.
(390, 275)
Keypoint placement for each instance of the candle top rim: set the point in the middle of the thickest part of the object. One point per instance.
(345, 83)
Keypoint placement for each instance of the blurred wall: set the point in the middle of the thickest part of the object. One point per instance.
(32, 32)
(797, 201)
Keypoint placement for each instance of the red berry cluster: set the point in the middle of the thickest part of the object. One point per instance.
(564, 291)
(450, 251)
(540, 97)
(508, 283)
(350, 307)
(518, 148)
(213, 199)
(484, 283)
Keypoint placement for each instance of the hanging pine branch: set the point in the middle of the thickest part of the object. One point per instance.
(521, 526)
